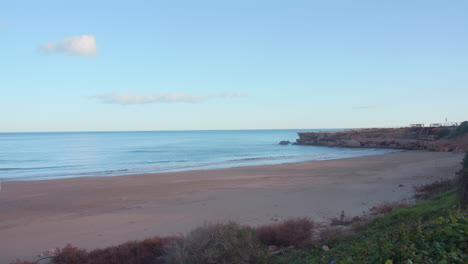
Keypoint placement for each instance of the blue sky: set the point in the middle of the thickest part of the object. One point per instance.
(190, 65)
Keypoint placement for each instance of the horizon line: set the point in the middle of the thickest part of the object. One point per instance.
(191, 130)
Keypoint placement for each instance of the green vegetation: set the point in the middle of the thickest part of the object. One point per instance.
(462, 129)
(444, 132)
(430, 232)
(463, 182)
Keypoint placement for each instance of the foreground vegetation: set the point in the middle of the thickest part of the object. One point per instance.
(434, 230)
(431, 232)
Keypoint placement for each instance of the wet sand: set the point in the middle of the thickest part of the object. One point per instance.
(103, 211)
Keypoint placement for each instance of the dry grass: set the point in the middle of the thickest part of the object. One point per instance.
(228, 243)
(344, 220)
(71, 255)
(429, 190)
(332, 234)
(387, 207)
(293, 232)
(147, 251)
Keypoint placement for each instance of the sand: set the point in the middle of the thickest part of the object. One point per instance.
(103, 211)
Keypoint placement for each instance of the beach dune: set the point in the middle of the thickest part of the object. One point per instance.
(101, 211)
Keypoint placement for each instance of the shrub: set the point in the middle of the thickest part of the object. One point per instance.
(444, 132)
(429, 190)
(293, 232)
(429, 232)
(147, 251)
(70, 255)
(464, 162)
(462, 129)
(463, 182)
(218, 243)
(386, 208)
(332, 234)
(344, 220)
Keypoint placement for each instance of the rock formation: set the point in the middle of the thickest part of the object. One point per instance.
(410, 138)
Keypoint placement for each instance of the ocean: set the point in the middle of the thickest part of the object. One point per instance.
(42, 156)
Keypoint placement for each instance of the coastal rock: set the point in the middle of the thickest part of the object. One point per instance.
(351, 143)
(408, 138)
(285, 142)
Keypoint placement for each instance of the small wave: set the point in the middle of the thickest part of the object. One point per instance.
(39, 168)
(157, 162)
(18, 161)
(145, 151)
(263, 158)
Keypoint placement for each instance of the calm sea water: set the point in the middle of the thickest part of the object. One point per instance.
(40, 156)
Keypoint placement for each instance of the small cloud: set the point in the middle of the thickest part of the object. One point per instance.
(372, 106)
(131, 98)
(228, 95)
(84, 45)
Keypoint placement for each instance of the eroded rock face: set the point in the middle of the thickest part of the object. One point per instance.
(392, 138)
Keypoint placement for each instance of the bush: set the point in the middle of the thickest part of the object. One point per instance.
(429, 232)
(70, 255)
(386, 208)
(293, 232)
(463, 182)
(147, 251)
(344, 220)
(228, 243)
(444, 132)
(438, 241)
(465, 161)
(431, 189)
(462, 129)
(332, 234)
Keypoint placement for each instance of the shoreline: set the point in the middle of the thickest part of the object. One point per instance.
(101, 211)
(197, 167)
(192, 169)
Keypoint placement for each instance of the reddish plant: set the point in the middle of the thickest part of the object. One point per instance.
(293, 232)
(142, 252)
(70, 255)
(147, 251)
(428, 190)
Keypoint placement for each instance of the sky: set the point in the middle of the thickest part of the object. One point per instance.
(207, 65)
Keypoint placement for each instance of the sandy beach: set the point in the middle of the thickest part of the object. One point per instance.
(102, 211)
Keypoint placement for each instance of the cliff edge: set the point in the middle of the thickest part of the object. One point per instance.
(445, 139)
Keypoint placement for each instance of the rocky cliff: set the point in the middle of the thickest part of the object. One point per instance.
(411, 138)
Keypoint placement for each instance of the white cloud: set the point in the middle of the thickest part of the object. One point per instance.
(228, 95)
(371, 106)
(84, 45)
(131, 98)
